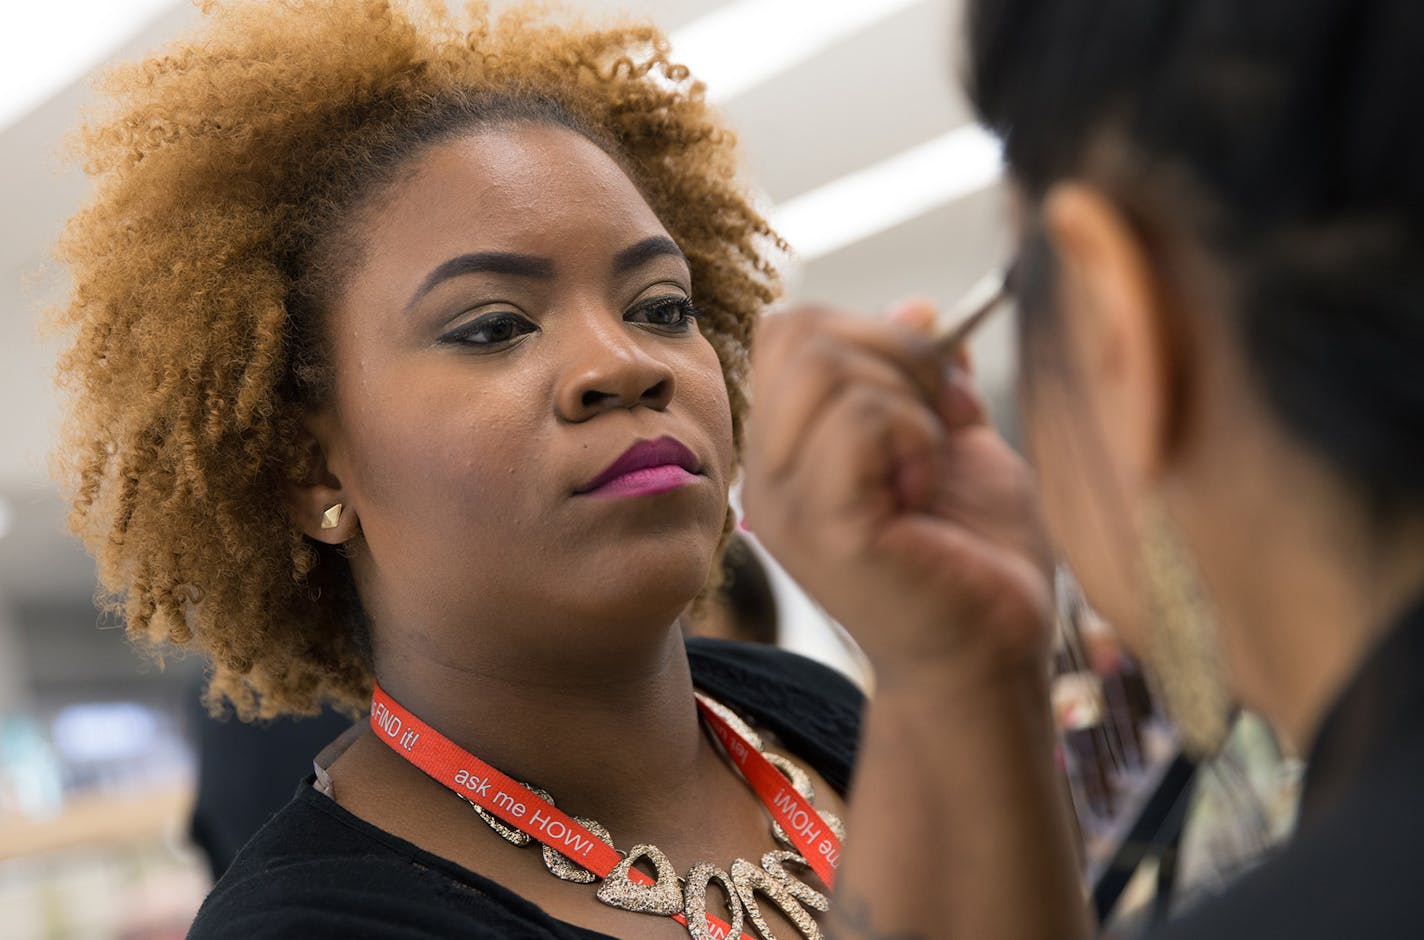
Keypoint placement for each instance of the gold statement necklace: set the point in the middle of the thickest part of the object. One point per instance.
(581, 850)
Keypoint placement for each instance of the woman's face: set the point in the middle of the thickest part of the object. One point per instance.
(517, 322)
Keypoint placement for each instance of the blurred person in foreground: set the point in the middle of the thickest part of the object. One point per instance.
(1218, 211)
(407, 374)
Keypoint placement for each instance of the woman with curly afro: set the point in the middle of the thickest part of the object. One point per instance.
(407, 368)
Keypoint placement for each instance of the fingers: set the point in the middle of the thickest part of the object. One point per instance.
(873, 450)
(805, 387)
(844, 429)
(960, 405)
(871, 454)
(781, 336)
(914, 313)
(921, 315)
(803, 359)
(962, 358)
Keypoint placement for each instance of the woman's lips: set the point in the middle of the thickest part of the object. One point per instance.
(646, 482)
(645, 469)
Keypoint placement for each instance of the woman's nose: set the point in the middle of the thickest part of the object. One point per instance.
(608, 370)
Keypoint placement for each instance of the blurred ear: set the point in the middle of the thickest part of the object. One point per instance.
(1114, 317)
(311, 500)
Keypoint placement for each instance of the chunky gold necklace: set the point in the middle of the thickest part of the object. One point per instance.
(744, 883)
(741, 883)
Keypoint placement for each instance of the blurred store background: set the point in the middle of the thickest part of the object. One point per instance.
(853, 129)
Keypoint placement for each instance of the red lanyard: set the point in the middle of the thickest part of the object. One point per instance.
(517, 806)
(818, 845)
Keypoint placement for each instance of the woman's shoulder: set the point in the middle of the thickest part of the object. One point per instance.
(316, 871)
(813, 709)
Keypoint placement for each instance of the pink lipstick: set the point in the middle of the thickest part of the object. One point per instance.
(645, 469)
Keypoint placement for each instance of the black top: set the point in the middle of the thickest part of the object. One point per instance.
(1355, 866)
(316, 870)
(245, 774)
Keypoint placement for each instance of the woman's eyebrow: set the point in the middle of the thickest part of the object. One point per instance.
(486, 262)
(635, 256)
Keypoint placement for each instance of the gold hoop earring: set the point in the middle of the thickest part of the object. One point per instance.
(1183, 648)
(332, 517)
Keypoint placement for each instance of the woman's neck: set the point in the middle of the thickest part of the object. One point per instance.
(1301, 611)
(616, 738)
(1310, 629)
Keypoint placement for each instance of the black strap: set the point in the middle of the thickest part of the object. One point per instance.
(1155, 832)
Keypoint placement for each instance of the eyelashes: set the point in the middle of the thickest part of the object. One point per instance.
(504, 329)
(491, 331)
(672, 314)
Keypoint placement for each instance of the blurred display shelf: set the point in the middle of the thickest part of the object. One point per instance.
(1105, 839)
(87, 821)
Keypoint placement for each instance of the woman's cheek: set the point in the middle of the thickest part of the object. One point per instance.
(1087, 537)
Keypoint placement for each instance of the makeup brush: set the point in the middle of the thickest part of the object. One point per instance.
(954, 328)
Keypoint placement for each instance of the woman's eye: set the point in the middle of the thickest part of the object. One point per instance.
(495, 329)
(668, 313)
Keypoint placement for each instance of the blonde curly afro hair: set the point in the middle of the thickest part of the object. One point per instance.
(224, 175)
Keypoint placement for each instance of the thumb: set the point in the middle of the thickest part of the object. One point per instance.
(916, 313)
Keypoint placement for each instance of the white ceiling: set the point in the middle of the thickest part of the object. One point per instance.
(858, 101)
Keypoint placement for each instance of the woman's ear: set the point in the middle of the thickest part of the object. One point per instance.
(1115, 316)
(318, 504)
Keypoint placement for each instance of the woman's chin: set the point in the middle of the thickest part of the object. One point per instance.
(657, 596)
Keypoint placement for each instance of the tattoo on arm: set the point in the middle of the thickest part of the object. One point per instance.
(851, 919)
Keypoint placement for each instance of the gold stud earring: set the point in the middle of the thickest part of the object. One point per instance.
(332, 517)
